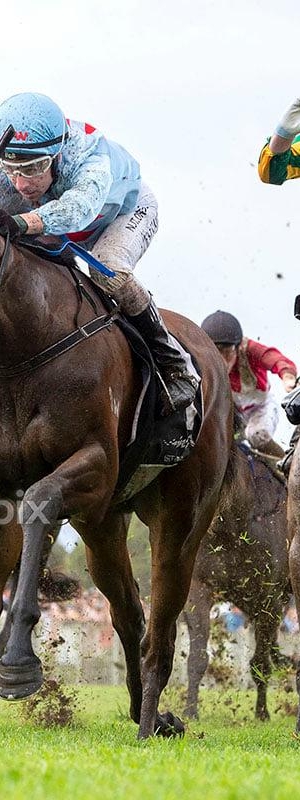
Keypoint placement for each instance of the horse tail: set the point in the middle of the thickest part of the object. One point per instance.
(233, 488)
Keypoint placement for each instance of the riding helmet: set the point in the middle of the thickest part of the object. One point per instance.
(223, 328)
(39, 124)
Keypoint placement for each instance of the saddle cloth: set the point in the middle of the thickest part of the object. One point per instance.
(156, 442)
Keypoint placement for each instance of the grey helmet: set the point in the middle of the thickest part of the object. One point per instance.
(223, 328)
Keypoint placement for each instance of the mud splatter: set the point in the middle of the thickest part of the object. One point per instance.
(53, 705)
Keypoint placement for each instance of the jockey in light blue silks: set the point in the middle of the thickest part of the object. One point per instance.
(63, 177)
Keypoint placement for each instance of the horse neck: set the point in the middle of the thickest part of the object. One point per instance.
(37, 305)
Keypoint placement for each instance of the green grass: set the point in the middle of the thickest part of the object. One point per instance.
(227, 755)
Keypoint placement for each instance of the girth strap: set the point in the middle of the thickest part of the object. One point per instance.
(57, 349)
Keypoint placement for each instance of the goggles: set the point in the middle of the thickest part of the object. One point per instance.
(28, 169)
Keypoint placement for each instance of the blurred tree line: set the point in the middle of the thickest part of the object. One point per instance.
(73, 562)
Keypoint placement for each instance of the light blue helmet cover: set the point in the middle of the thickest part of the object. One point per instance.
(39, 124)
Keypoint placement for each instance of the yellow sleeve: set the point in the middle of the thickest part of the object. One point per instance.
(280, 167)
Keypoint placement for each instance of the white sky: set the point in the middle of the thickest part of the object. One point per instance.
(192, 89)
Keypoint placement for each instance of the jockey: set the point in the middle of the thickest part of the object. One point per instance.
(59, 176)
(248, 363)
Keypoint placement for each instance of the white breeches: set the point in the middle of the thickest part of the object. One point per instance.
(261, 422)
(121, 246)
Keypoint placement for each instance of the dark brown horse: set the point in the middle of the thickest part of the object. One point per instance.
(65, 426)
(244, 559)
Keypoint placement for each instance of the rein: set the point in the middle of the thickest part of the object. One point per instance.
(63, 345)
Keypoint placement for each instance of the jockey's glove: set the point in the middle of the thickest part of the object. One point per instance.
(289, 125)
(288, 380)
(12, 226)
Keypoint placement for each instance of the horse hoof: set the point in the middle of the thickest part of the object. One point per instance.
(168, 725)
(263, 715)
(17, 683)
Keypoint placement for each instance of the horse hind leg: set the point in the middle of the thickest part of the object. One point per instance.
(109, 565)
(260, 663)
(174, 543)
(196, 616)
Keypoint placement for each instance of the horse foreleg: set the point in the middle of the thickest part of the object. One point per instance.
(110, 568)
(20, 669)
(196, 616)
(260, 664)
(10, 548)
(75, 483)
(6, 629)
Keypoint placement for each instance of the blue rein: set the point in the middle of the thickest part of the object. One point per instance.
(83, 254)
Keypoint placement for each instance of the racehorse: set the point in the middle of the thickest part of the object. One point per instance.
(243, 558)
(66, 420)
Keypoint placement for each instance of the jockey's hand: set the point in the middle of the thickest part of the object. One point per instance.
(289, 125)
(289, 381)
(13, 226)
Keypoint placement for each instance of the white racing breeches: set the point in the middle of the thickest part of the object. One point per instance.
(121, 246)
(261, 422)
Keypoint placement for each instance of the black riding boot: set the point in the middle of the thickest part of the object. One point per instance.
(180, 386)
(285, 463)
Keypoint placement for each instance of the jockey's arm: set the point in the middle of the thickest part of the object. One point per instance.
(78, 206)
(33, 222)
(277, 167)
(280, 157)
(273, 360)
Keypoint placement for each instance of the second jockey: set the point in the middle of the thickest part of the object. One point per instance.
(248, 363)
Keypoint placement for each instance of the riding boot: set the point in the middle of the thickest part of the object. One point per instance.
(180, 386)
(285, 463)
